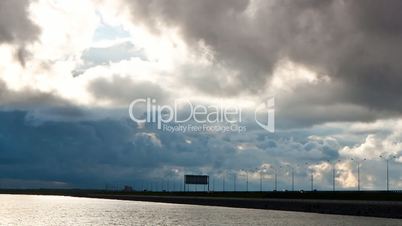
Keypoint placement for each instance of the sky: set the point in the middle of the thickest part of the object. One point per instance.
(70, 69)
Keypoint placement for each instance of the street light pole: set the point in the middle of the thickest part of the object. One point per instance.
(311, 177)
(275, 178)
(387, 176)
(358, 176)
(292, 176)
(223, 181)
(234, 181)
(246, 171)
(260, 181)
(387, 161)
(358, 171)
(333, 177)
(246, 180)
(258, 170)
(293, 179)
(312, 181)
(333, 173)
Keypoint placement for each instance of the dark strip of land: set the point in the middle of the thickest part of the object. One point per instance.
(367, 203)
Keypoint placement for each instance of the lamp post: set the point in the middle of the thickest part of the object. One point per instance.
(246, 180)
(223, 181)
(244, 170)
(292, 176)
(333, 172)
(275, 177)
(260, 181)
(387, 160)
(358, 162)
(234, 181)
(311, 176)
(168, 184)
(293, 179)
(260, 171)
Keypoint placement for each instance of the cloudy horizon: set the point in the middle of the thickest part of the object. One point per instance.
(70, 69)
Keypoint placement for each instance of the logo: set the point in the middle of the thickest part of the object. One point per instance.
(264, 115)
(186, 116)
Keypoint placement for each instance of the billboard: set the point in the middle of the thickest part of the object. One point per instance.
(196, 179)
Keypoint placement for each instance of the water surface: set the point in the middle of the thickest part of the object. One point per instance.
(60, 210)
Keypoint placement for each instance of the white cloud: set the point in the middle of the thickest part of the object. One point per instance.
(374, 146)
(67, 28)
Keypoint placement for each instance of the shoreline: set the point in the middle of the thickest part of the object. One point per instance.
(368, 204)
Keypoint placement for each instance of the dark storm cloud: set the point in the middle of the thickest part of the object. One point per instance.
(310, 104)
(357, 43)
(29, 98)
(16, 27)
(43, 106)
(94, 152)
